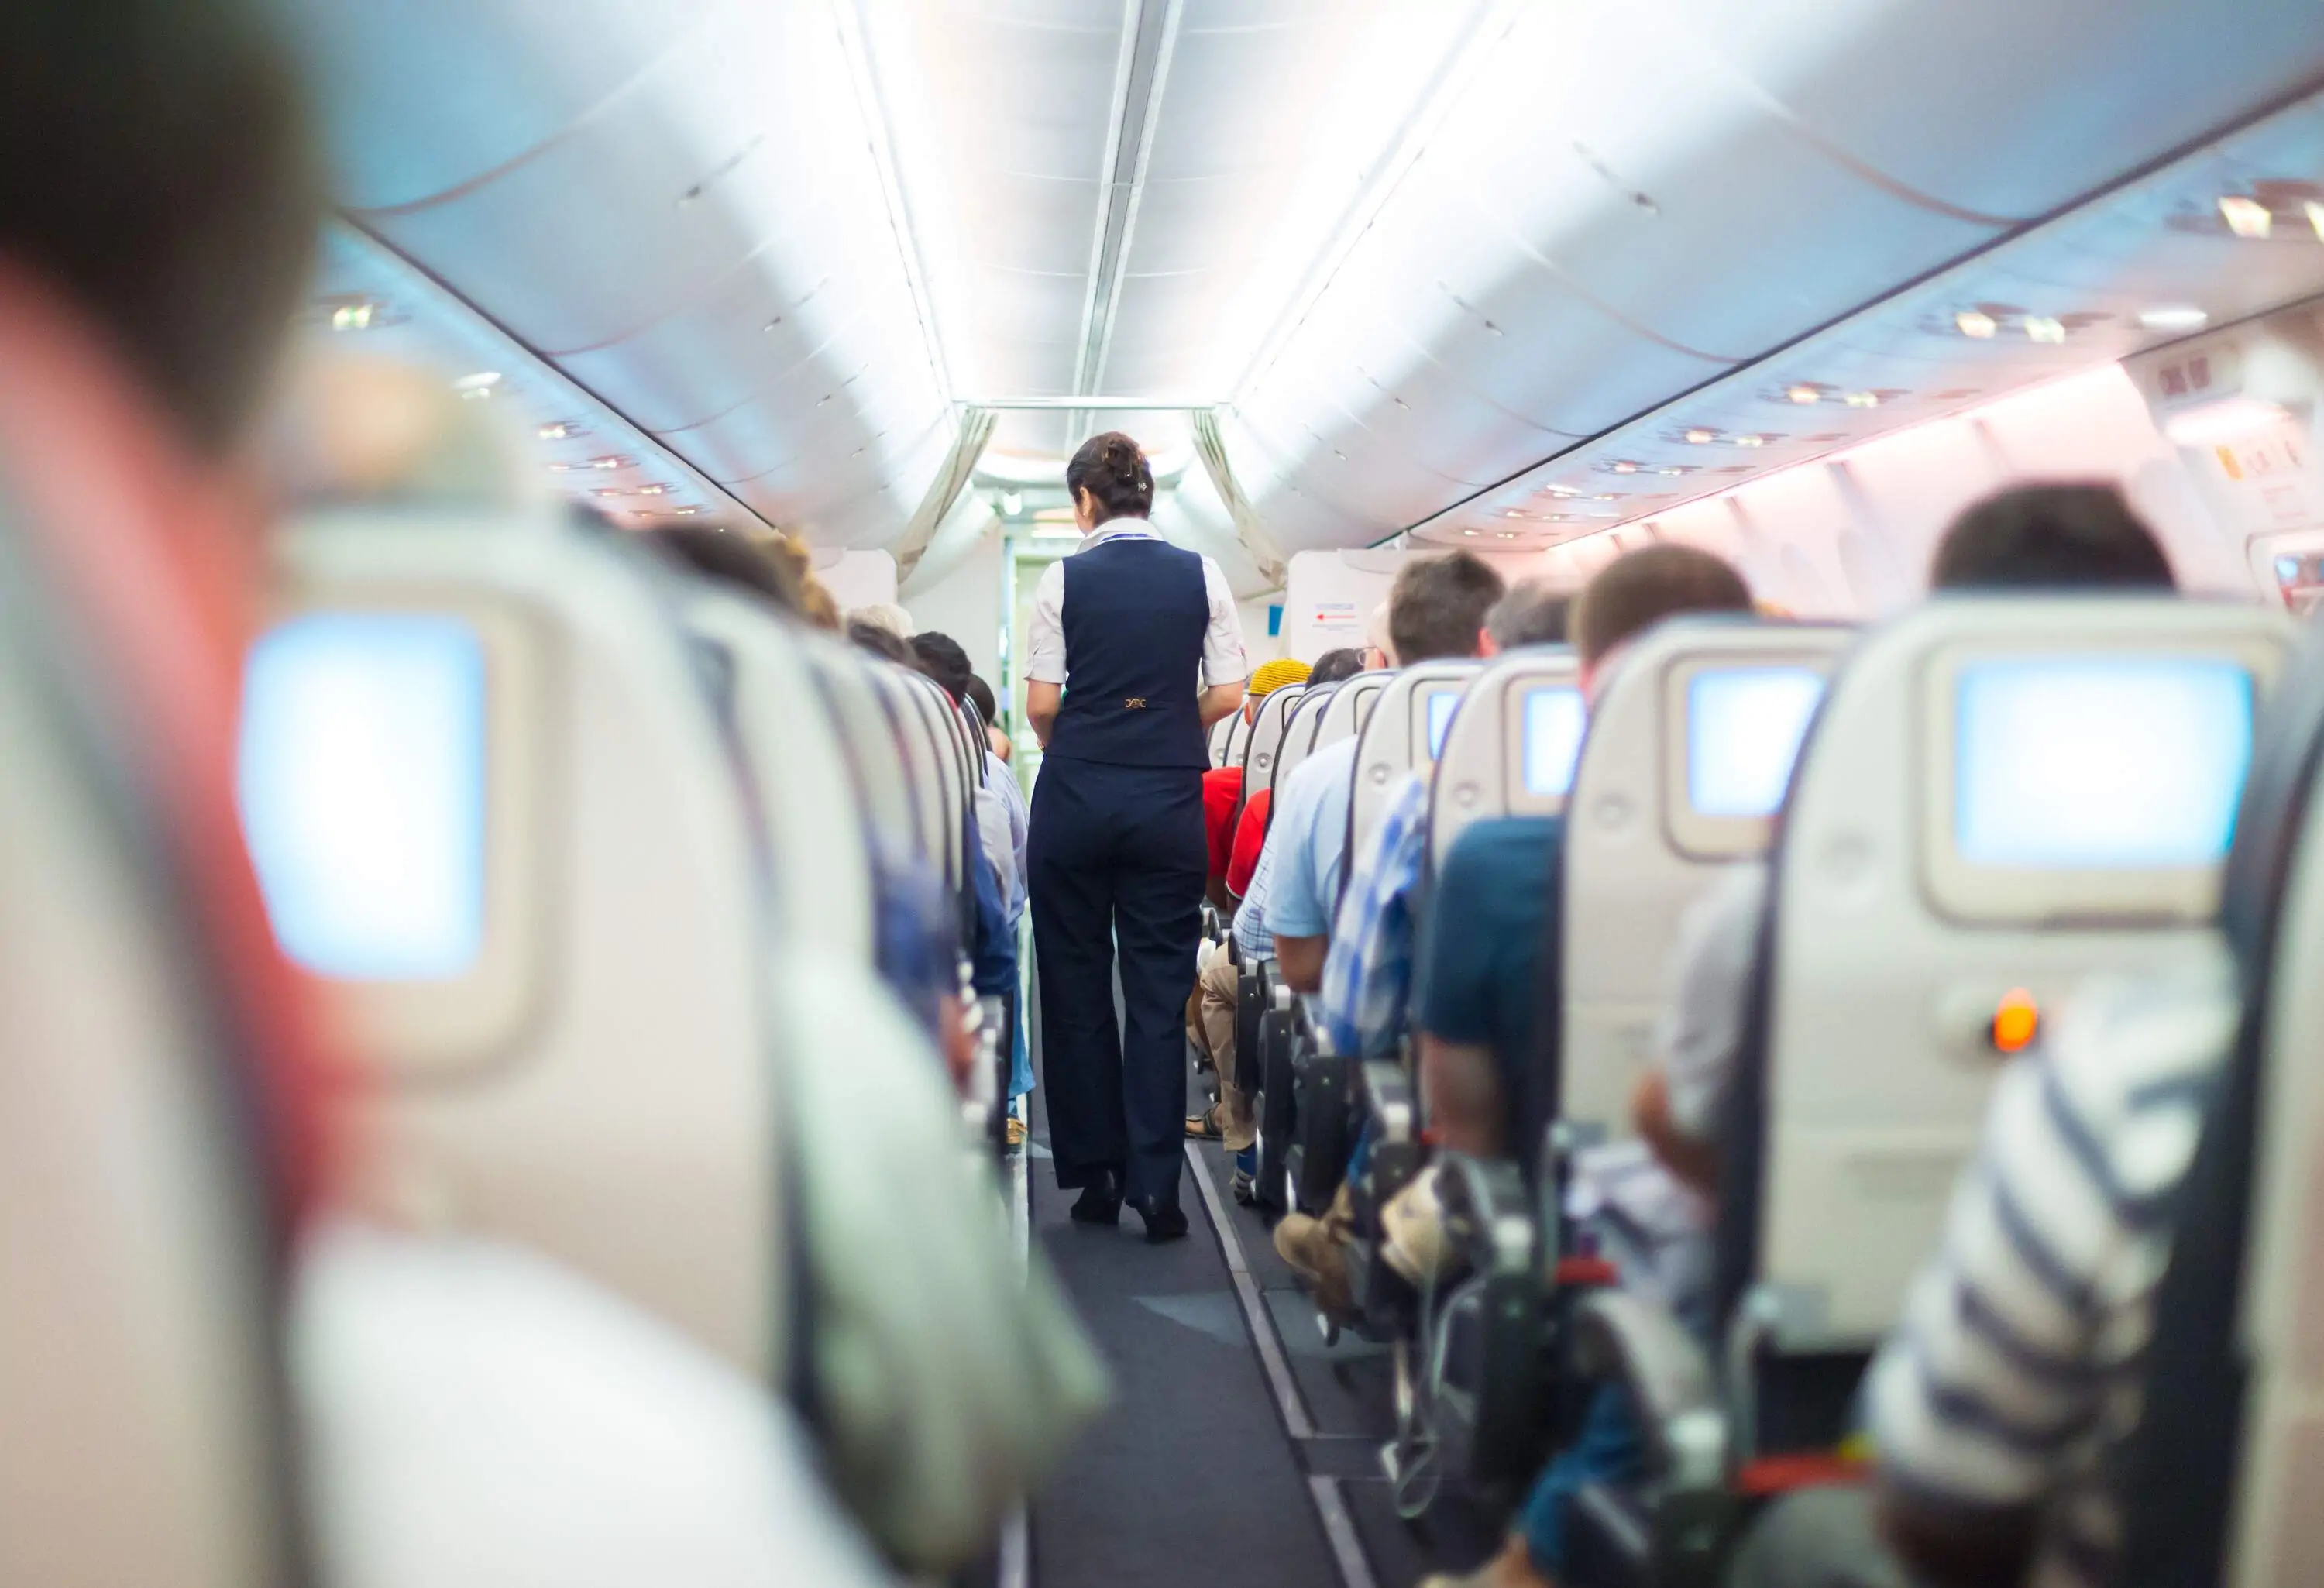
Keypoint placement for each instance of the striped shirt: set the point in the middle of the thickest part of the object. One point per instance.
(1367, 972)
(2016, 1366)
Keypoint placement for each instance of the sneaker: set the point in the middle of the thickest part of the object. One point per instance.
(1308, 1246)
(1245, 1184)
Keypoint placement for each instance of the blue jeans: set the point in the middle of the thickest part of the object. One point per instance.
(1607, 1450)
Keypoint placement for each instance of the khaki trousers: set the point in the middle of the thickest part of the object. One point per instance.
(1211, 1026)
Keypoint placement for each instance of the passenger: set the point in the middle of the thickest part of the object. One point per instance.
(1335, 666)
(1210, 1004)
(882, 614)
(736, 559)
(880, 642)
(822, 611)
(1135, 651)
(989, 713)
(1436, 608)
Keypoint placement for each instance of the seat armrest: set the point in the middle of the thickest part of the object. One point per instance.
(1488, 1216)
(1671, 1383)
(1386, 1098)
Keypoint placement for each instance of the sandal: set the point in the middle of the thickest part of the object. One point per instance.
(1204, 1126)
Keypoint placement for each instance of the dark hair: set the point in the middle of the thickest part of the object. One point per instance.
(1438, 604)
(1531, 614)
(1335, 665)
(980, 694)
(2050, 537)
(1638, 589)
(1115, 473)
(940, 657)
(879, 643)
(732, 558)
(159, 173)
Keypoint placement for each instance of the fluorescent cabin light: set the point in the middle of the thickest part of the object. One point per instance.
(1976, 323)
(2216, 422)
(2045, 328)
(479, 384)
(2173, 316)
(2246, 217)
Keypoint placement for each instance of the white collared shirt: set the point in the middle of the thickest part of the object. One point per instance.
(1044, 633)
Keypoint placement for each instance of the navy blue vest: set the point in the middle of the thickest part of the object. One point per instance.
(1136, 611)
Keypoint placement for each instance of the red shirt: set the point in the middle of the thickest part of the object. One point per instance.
(1222, 792)
(1249, 836)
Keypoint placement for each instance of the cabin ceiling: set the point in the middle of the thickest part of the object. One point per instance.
(1423, 254)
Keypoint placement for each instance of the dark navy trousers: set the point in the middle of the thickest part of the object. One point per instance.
(1116, 855)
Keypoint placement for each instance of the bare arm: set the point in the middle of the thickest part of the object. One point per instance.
(1219, 700)
(1041, 703)
(1693, 1161)
(1462, 1095)
(1301, 961)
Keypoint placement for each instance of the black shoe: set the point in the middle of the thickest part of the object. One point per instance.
(1101, 1200)
(1165, 1221)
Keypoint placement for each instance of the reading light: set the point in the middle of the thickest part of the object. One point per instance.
(1506, 534)
(1699, 437)
(2246, 217)
(1625, 466)
(1511, 512)
(1750, 440)
(479, 384)
(1976, 323)
(1862, 399)
(655, 490)
(1672, 470)
(609, 460)
(562, 430)
(1560, 490)
(1804, 394)
(2017, 1021)
(1471, 533)
(2043, 328)
(2315, 212)
(357, 317)
(1012, 503)
(2173, 316)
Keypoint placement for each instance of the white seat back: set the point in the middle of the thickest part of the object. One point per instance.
(1512, 747)
(1267, 738)
(1221, 731)
(1350, 707)
(1406, 728)
(821, 873)
(566, 1002)
(1238, 739)
(845, 683)
(1695, 699)
(138, 1383)
(1299, 730)
(2000, 798)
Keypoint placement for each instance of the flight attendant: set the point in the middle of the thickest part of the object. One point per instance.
(1135, 651)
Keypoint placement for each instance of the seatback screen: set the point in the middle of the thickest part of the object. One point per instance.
(361, 781)
(2095, 762)
(1440, 718)
(1554, 723)
(1743, 726)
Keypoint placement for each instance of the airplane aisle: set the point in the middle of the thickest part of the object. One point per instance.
(1241, 1451)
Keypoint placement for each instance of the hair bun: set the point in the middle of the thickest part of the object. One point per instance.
(1112, 468)
(1122, 457)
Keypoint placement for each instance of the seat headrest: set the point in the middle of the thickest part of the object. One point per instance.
(1512, 747)
(1299, 730)
(1350, 708)
(1267, 737)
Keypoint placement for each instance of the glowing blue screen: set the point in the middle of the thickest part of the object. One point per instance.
(1440, 718)
(1743, 726)
(1554, 723)
(362, 784)
(2099, 762)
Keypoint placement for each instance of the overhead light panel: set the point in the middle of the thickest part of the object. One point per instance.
(479, 384)
(655, 490)
(1750, 440)
(564, 430)
(2045, 328)
(1862, 399)
(2216, 423)
(1976, 324)
(2174, 317)
(611, 460)
(1506, 534)
(1623, 466)
(1699, 437)
(2246, 217)
(354, 316)
(2315, 212)
(1804, 394)
(1012, 503)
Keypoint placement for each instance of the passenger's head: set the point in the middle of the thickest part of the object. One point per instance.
(734, 559)
(1109, 478)
(940, 657)
(1333, 666)
(1640, 589)
(2068, 537)
(159, 175)
(1531, 614)
(883, 615)
(1266, 678)
(1378, 651)
(881, 643)
(980, 694)
(815, 603)
(1438, 607)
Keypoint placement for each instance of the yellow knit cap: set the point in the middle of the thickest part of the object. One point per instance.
(1272, 675)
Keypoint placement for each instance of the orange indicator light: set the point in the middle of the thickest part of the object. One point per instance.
(2017, 1020)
